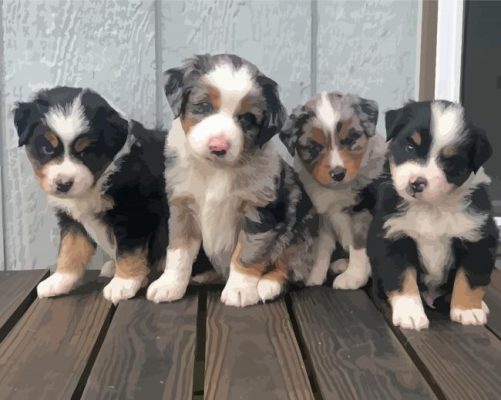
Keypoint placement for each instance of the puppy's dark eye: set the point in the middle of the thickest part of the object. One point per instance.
(203, 108)
(47, 150)
(410, 148)
(247, 121)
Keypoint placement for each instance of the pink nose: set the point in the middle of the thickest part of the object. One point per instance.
(219, 145)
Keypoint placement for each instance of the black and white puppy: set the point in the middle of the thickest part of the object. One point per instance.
(433, 234)
(105, 178)
(337, 155)
(227, 186)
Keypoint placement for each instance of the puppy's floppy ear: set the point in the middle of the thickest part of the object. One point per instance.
(274, 115)
(173, 89)
(394, 121)
(481, 149)
(26, 116)
(369, 112)
(292, 128)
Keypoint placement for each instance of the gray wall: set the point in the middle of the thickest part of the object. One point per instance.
(120, 48)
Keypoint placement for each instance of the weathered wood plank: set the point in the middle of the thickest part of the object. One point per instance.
(148, 352)
(108, 46)
(493, 300)
(460, 362)
(369, 48)
(251, 353)
(47, 352)
(353, 352)
(17, 292)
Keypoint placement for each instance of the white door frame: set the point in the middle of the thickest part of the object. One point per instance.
(450, 15)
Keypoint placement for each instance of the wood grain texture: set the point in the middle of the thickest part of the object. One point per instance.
(108, 46)
(251, 353)
(17, 292)
(493, 301)
(460, 362)
(46, 353)
(148, 352)
(369, 48)
(353, 352)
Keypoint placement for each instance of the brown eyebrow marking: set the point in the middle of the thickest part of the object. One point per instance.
(318, 135)
(52, 138)
(343, 130)
(214, 97)
(416, 138)
(449, 151)
(82, 143)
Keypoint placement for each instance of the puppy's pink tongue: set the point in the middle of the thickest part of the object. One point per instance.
(218, 143)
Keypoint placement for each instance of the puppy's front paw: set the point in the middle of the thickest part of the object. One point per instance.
(408, 313)
(240, 290)
(339, 266)
(166, 288)
(472, 316)
(350, 280)
(121, 289)
(268, 289)
(57, 284)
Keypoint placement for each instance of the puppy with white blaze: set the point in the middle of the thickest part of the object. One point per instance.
(104, 176)
(337, 154)
(228, 189)
(433, 236)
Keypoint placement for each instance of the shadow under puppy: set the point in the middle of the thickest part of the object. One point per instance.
(104, 176)
(433, 234)
(227, 187)
(338, 155)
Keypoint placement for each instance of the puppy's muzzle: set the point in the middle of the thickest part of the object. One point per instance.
(337, 173)
(219, 146)
(417, 186)
(63, 186)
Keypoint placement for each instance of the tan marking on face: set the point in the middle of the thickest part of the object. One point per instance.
(214, 97)
(352, 162)
(408, 286)
(132, 265)
(187, 123)
(75, 253)
(52, 138)
(318, 136)
(464, 296)
(416, 138)
(41, 174)
(449, 151)
(82, 143)
(320, 169)
(344, 129)
(245, 106)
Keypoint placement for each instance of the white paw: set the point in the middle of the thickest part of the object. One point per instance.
(166, 288)
(57, 284)
(108, 269)
(315, 279)
(240, 290)
(121, 289)
(408, 313)
(339, 266)
(350, 280)
(473, 316)
(268, 289)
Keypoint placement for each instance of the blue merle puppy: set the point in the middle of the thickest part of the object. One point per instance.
(228, 189)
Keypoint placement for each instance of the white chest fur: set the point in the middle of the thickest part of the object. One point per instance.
(85, 210)
(433, 227)
(216, 194)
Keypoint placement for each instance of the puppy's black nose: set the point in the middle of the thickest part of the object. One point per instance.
(338, 173)
(64, 186)
(418, 185)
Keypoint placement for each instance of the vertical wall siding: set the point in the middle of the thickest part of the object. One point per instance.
(121, 48)
(2, 130)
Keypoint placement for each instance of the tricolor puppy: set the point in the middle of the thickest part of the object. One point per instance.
(105, 178)
(228, 188)
(338, 154)
(433, 234)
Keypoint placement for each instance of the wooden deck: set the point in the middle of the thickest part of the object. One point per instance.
(316, 343)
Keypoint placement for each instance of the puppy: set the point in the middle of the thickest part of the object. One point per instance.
(433, 234)
(337, 155)
(227, 187)
(104, 177)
